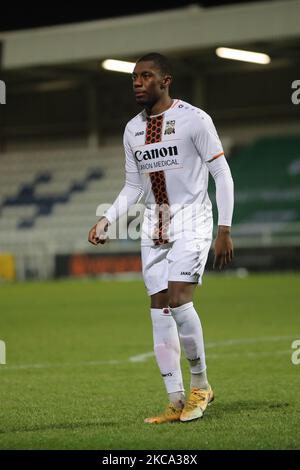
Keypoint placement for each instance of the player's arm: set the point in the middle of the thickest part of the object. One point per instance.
(129, 195)
(220, 171)
(209, 146)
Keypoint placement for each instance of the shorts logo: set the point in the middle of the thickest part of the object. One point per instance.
(185, 273)
(170, 127)
(139, 133)
(166, 311)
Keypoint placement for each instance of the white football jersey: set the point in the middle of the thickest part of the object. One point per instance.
(170, 152)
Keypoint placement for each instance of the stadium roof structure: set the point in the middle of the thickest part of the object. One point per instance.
(180, 31)
(60, 63)
(45, 15)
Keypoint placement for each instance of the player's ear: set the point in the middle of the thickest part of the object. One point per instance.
(166, 81)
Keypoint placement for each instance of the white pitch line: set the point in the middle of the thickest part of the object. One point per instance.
(64, 364)
(141, 357)
(144, 357)
(250, 355)
(262, 339)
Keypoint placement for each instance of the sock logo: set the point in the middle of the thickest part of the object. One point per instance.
(195, 361)
(167, 375)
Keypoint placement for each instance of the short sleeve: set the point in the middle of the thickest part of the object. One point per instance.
(130, 163)
(205, 137)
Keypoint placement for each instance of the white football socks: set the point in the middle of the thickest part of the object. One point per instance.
(199, 380)
(191, 336)
(167, 353)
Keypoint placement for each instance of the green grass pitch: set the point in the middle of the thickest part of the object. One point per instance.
(79, 372)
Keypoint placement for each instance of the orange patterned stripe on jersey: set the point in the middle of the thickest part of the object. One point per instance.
(216, 156)
(158, 183)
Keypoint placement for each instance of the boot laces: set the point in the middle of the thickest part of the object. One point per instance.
(196, 397)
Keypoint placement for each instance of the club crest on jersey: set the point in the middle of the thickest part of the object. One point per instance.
(170, 127)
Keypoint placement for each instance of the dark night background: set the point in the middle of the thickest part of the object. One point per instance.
(24, 16)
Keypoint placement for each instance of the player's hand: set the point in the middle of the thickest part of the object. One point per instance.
(98, 233)
(223, 247)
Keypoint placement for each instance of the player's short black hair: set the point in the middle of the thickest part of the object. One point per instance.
(161, 62)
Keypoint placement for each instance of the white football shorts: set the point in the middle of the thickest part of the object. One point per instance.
(182, 260)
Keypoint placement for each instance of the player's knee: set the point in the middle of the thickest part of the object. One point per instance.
(176, 300)
(160, 300)
(157, 303)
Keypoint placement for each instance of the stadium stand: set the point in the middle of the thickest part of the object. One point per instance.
(267, 187)
(55, 194)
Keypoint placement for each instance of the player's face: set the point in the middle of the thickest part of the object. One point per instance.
(148, 83)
